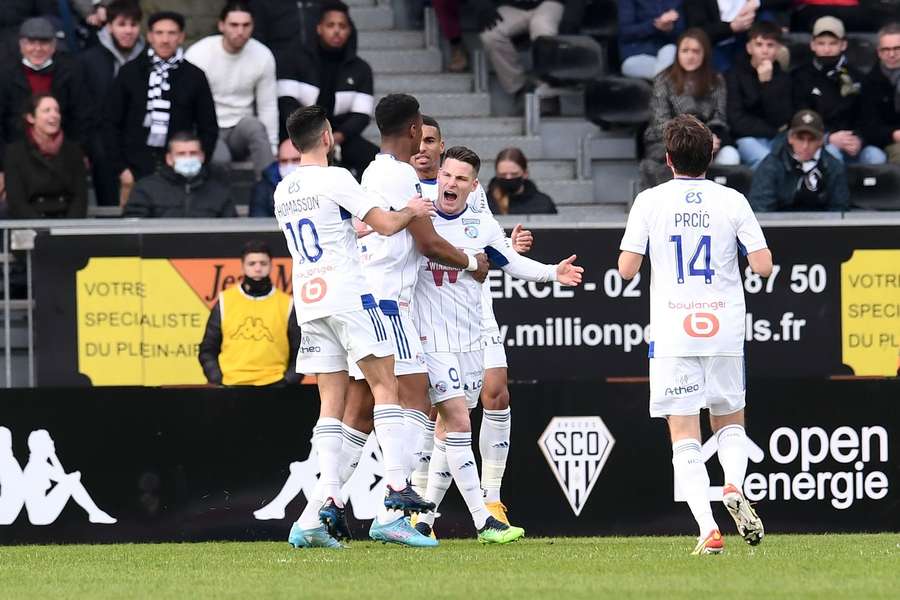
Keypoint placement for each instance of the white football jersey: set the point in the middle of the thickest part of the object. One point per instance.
(693, 230)
(314, 206)
(389, 262)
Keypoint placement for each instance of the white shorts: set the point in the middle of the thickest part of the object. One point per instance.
(409, 358)
(334, 343)
(684, 385)
(455, 375)
(494, 351)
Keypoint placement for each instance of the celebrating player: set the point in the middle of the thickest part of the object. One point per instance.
(447, 312)
(694, 229)
(340, 320)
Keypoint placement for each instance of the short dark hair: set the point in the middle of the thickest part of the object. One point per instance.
(891, 28)
(766, 30)
(333, 6)
(183, 136)
(304, 126)
(166, 15)
(235, 6)
(466, 155)
(395, 113)
(128, 9)
(432, 122)
(255, 247)
(689, 144)
(512, 154)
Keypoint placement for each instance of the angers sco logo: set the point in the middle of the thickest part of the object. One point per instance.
(576, 448)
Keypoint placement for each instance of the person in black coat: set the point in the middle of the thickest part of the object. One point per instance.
(283, 25)
(135, 138)
(759, 95)
(41, 70)
(46, 175)
(511, 192)
(881, 95)
(330, 74)
(182, 188)
(119, 42)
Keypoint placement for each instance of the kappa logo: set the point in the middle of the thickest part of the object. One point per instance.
(253, 329)
(576, 448)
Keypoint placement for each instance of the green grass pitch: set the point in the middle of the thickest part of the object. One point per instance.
(783, 566)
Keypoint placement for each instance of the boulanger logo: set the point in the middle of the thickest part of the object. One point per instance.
(576, 448)
(805, 475)
(701, 324)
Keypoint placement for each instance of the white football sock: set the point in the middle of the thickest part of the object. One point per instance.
(351, 451)
(493, 441)
(420, 475)
(328, 439)
(732, 441)
(390, 432)
(439, 479)
(693, 481)
(465, 474)
(415, 424)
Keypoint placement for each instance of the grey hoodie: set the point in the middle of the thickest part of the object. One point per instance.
(119, 59)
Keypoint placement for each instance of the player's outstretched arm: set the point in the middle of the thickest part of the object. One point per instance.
(761, 262)
(521, 267)
(390, 222)
(629, 264)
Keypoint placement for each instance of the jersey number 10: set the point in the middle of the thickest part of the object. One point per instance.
(704, 247)
(304, 226)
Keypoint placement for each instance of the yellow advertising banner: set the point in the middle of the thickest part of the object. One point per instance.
(870, 311)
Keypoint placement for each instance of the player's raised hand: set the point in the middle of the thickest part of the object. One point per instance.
(568, 273)
(521, 239)
(421, 207)
(484, 265)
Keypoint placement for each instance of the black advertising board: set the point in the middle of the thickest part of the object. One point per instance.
(216, 464)
(832, 307)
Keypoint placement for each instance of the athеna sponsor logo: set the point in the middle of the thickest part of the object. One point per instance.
(856, 454)
(681, 390)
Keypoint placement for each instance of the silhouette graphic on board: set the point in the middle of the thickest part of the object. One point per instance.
(43, 487)
(362, 490)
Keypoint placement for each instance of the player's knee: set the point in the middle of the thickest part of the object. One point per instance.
(495, 397)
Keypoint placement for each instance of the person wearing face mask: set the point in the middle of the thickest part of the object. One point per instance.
(511, 192)
(799, 174)
(182, 187)
(262, 201)
(40, 70)
(45, 174)
(252, 335)
(832, 87)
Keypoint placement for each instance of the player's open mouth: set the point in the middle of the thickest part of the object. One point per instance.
(448, 195)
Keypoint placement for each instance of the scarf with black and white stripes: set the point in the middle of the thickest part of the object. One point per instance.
(158, 103)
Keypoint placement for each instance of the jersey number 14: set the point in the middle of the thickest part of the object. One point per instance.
(704, 248)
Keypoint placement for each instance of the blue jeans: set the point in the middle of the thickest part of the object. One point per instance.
(753, 150)
(869, 155)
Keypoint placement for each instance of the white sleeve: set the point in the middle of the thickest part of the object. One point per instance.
(637, 230)
(499, 250)
(351, 196)
(749, 234)
(267, 97)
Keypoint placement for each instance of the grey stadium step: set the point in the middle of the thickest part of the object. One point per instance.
(372, 18)
(538, 170)
(410, 83)
(455, 105)
(572, 192)
(455, 129)
(488, 147)
(354, 3)
(391, 40)
(403, 61)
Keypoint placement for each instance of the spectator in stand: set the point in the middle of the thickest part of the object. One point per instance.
(262, 202)
(511, 192)
(285, 25)
(832, 87)
(881, 95)
(850, 12)
(154, 96)
(447, 13)
(182, 187)
(241, 73)
(252, 335)
(12, 14)
(119, 42)
(726, 22)
(331, 75)
(689, 86)
(798, 175)
(501, 21)
(647, 33)
(759, 94)
(40, 71)
(45, 171)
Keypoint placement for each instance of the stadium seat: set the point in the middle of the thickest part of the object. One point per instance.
(737, 177)
(615, 100)
(601, 19)
(874, 187)
(568, 59)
